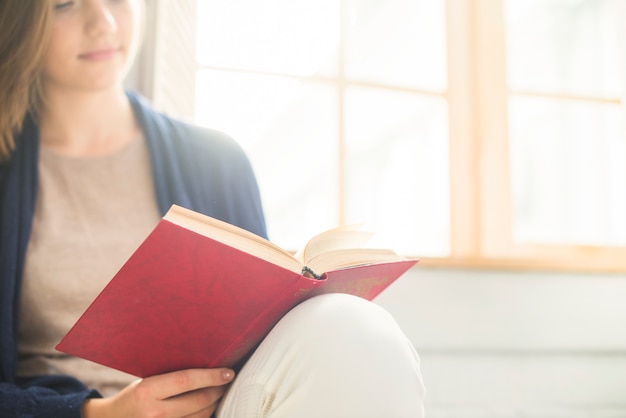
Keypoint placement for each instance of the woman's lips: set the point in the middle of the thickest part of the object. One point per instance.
(100, 54)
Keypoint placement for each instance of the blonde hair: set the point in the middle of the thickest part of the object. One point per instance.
(23, 41)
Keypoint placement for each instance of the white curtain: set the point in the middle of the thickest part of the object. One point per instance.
(165, 69)
(619, 14)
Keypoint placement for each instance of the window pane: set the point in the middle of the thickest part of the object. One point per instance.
(399, 42)
(568, 163)
(397, 169)
(289, 129)
(286, 36)
(563, 46)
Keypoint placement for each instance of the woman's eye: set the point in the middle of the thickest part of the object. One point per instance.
(63, 5)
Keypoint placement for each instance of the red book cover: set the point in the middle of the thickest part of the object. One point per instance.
(184, 300)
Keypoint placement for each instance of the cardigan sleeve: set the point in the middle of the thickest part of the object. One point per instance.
(221, 176)
(201, 169)
(44, 397)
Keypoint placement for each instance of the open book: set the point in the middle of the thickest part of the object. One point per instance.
(199, 292)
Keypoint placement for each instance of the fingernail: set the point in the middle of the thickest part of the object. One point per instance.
(228, 374)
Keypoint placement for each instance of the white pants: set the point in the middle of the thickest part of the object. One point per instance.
(333, 356)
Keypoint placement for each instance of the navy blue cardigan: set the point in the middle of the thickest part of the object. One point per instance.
(197, 168)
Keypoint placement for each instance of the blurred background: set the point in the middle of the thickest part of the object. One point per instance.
(486, 137)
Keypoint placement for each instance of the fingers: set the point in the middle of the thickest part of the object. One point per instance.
(199, 403)
(176, 383)
(191, 393)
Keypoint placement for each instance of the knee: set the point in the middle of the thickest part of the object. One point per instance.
(350, 352)
(340, 317)
(336, 333)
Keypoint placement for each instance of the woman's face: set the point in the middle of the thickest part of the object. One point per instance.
(92, 44)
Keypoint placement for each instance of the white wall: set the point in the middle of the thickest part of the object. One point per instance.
(511, 344)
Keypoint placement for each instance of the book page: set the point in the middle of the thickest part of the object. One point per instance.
(233, 236)
(346, 237)
(343, 258)
(336, 248)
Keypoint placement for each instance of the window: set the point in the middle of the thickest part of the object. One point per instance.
(568, 155)
(552, 131)
(485, 132)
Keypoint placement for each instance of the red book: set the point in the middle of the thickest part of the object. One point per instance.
(201, 293)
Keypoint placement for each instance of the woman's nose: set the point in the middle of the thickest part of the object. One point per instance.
(99, 18)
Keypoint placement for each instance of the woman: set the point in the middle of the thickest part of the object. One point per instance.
(86, 171)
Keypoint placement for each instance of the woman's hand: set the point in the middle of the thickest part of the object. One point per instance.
(187, 393)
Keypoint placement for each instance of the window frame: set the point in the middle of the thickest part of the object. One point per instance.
(478, 96)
